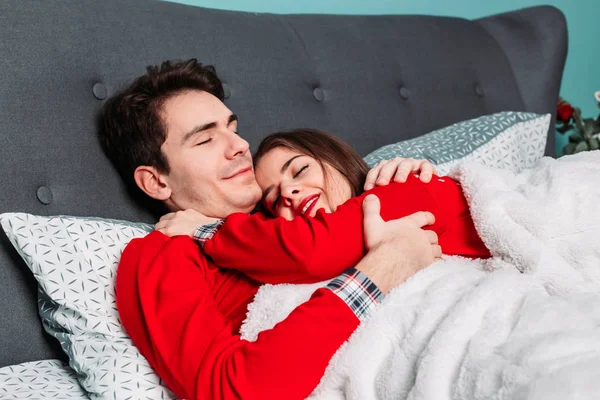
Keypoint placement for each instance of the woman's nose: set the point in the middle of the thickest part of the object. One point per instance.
(290, 194)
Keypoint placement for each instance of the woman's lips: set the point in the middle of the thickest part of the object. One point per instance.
(307, 205)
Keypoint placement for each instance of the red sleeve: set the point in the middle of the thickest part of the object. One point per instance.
(165, 305)
(305, 250)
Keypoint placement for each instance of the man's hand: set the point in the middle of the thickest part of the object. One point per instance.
(398, 248)
(397, 170)
(182, 222)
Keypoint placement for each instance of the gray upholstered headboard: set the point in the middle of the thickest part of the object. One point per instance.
(370, 79)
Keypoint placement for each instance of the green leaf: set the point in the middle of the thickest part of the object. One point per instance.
(575, 138)
(581, 146)
(569, 149)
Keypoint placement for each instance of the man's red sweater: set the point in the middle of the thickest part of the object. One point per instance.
(184, 315)
(184, 312)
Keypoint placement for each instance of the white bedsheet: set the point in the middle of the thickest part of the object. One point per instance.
(522, 325)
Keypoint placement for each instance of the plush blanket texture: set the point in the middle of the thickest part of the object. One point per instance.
(522, 325)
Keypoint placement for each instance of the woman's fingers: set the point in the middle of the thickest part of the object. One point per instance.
(168, 216)
(398, 170)
(389, 171)
(373, 174)
(404, 168)
(427, 171)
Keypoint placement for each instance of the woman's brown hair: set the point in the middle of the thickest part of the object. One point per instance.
(323, 147)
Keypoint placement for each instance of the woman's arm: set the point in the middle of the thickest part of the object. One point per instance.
(305, 250)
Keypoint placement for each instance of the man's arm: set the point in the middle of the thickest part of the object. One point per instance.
(165, 305)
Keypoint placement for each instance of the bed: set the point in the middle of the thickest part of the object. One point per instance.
(372, 80)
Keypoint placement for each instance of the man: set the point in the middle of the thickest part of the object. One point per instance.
(171, 136)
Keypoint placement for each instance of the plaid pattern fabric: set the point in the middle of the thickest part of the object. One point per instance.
(206, 232)
(358, 291)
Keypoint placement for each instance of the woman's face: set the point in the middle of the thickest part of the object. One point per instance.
(294, 184)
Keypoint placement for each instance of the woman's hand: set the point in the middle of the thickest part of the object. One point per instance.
(397, 170)
(182, 222)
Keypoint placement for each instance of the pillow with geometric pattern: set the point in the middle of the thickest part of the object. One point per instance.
(74, 261)
(508, 140)
(40, 380)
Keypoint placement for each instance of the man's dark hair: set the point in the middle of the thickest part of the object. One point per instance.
(133, 130)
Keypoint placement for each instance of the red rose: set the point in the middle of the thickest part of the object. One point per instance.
(564, 111)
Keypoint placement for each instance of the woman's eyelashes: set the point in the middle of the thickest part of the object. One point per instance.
(203, 142)
(300, 171)
(278, 198)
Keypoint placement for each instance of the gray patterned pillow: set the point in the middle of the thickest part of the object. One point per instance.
(512, 140)
(40, 380)
(75, 261)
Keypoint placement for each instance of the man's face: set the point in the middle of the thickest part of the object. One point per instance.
(210, 164)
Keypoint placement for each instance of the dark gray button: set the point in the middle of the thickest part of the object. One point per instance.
(478, 90)
(44, 195)
(99, 91)
(319, 94)
(404, 93)
(226, 91)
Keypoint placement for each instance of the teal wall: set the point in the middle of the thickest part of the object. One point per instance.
(582, 72)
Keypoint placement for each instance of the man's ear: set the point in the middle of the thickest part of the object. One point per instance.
(151, 182)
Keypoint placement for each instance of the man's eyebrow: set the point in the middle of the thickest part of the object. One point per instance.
(205, 127)
(196, 130)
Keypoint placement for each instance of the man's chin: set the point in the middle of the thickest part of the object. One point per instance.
(246, 198)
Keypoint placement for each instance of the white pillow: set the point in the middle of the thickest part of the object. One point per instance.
(508, 140)
(40, 380)
(75, 261)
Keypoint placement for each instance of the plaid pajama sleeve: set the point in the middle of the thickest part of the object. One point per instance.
(358, 291)
(206, 232)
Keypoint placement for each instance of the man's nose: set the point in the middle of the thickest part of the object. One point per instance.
(236, 145)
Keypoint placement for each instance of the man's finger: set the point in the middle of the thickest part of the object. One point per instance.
(432, 236)
(422, 218)
(371, 208)
(437, 251)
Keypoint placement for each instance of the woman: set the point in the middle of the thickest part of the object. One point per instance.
(313, 182)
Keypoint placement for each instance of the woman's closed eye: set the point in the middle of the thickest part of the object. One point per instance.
(300, 171)
(203, 142)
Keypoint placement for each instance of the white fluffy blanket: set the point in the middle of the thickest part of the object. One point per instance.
(522, 325)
